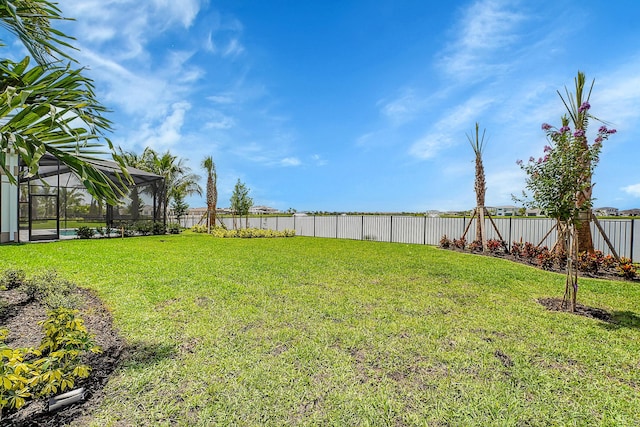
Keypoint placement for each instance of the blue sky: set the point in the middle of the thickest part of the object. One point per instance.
(362, 105)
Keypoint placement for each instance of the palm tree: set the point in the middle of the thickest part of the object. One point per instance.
(477, 144)
(176, 177)
(49, 108)
(212, 190)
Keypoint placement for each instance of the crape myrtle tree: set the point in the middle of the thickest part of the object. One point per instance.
(50, 107)
(558, 181)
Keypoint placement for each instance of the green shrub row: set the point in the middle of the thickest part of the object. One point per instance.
(243, 232)
(139, 228)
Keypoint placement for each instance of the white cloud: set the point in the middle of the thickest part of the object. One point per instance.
(450, 129)
(290, 161)
(318, 160)
(168, 133)
(486, 27)
(633, 190)
(403, 108)
(220, 121)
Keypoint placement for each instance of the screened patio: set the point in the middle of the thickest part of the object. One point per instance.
(54, 203)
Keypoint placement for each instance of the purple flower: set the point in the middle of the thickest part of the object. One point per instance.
(584, 107)
(598, 140)
(579, 133)
(539, 160)
(564, 129)
(519, 162)
(611, 131)
(531, 159)
(547, 149)
(545, 158)
(603, 129)
(546, 126)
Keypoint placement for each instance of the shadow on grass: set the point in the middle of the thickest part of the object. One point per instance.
(141, 354)
(623, 319)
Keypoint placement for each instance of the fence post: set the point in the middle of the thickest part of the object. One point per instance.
(336, 226)
(510, 224)
(362, 228)
(391, 229)
(314, 226)
(424, 231)
(633, 222)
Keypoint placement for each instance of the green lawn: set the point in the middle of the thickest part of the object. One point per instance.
(305, 331)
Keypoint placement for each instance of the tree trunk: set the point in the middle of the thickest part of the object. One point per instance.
(585, 239)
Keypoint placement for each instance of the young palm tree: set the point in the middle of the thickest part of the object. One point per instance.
(212, 190)
(477, 144)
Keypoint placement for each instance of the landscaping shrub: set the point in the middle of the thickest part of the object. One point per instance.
(626, 268)
(27, 373)
(84, 232)
(590, 263)
(12, 278)
(495, 246)
(143, 228)
(199, 228)
(445, 242)
(51, 291)
(475, 246)
(174, 228)
(460, 243)
(248, 233)
(517, 249)
(159, 229)
(609, 262)
(546, 259)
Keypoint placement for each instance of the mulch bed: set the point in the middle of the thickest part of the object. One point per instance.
(21, 318)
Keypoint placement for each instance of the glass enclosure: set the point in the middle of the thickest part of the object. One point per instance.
(55, 203)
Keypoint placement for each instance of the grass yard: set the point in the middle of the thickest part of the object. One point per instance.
(305, 331)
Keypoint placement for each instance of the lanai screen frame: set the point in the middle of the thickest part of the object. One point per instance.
(49, 181)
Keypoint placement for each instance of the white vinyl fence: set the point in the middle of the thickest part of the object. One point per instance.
(624, 234)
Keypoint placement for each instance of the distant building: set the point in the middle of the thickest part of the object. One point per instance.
(263, 210)
(606, 211)
(630, 212)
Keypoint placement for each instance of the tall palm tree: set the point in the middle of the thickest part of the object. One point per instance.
(49, 108)
(212, 190)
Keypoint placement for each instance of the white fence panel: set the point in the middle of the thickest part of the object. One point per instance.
(407, 229)
(325, 226)
(376, 227)
(350, 227)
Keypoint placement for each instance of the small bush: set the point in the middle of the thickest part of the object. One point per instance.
(546, 259)
(51, 291)
(626, 268)
(495, 246)
(590, 263)
(460, 243)
(475, 246)
(200, 228)
(159, 229)
(12, 278)
(27, 373)
(445, 242)
(85, 232)
(174, 228)
(143, 228)
(517, 249)
(609, 262)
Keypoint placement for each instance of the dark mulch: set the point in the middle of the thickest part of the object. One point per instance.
(22, 317)
(557, 304)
